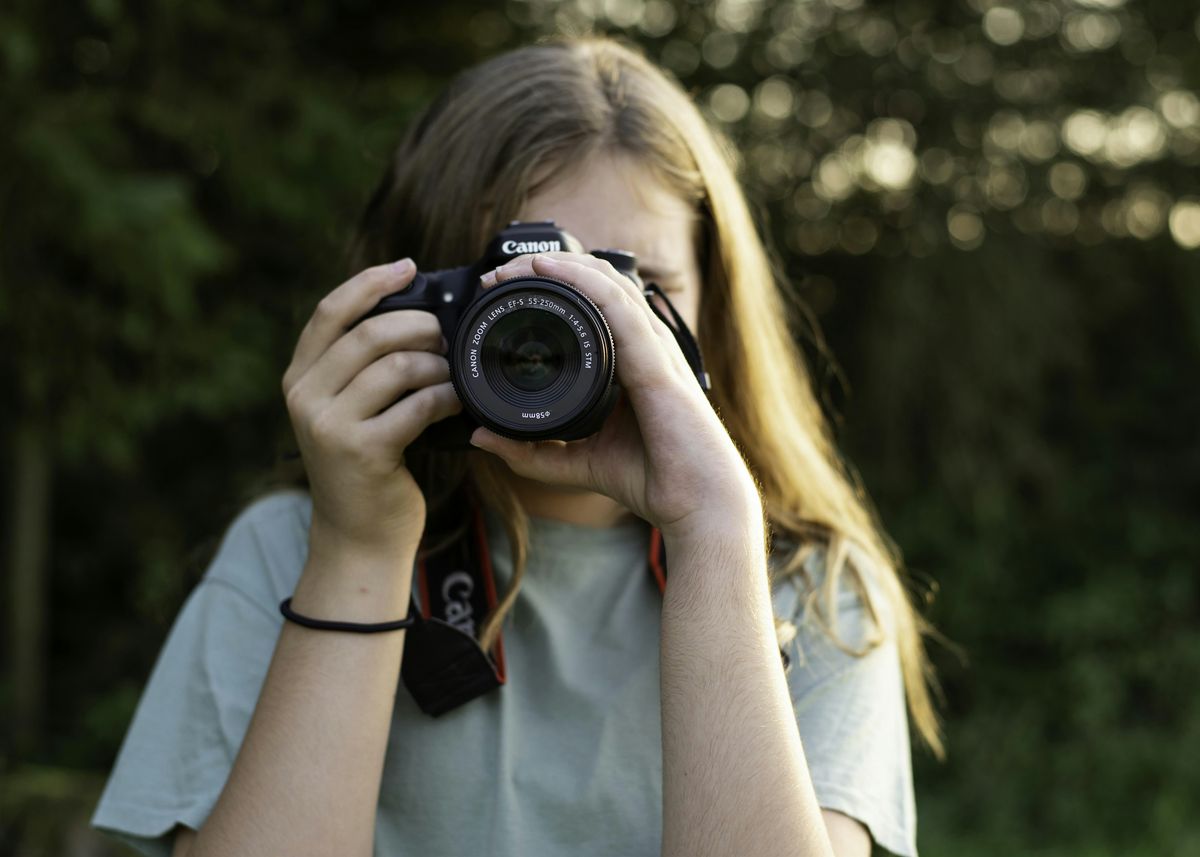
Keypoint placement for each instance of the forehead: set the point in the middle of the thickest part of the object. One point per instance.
(612, 202)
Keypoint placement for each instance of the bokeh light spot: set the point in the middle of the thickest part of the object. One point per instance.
(815, 109)
(833, 180)
(1067, 180)
(1039, 140)
(681, 56)
(1184, 222)
(1090, 31)
(1180, 108)
(737, 16)
(1084, 131)
(1003, 25)
(1145, 211)
(1005, 186)
(937, 166)
(624, 13)
(1137, 135)
(658, 19)
(774, 98)
(890, 164)
(975, 66)
(1059, 216)
(728, 102)
(876, 36)
(965, 227)
(719, 49)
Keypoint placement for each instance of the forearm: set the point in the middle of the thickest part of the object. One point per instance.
(735, 780)
(306, 779)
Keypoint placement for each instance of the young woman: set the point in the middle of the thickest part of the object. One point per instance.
(631, 722)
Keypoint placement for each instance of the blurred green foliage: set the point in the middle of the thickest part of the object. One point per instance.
(990, 207)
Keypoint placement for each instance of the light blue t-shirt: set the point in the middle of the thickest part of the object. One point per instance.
(565, 758)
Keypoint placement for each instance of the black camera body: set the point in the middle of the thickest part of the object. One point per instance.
(531, 358)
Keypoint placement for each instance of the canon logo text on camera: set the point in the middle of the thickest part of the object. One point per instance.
(530, 246)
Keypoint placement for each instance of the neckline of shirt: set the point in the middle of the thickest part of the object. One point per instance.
(550, 535)
(556, 536)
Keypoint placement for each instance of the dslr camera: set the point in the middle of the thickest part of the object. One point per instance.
(531, 358)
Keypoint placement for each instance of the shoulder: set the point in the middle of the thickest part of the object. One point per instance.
(195, 709)
(847, 690)
(292, 502)
(263, 549)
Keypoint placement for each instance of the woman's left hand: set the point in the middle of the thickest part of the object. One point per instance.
(663, 453)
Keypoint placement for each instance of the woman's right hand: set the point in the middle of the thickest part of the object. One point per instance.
(342, 388)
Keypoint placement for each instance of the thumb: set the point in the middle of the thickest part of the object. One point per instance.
(550, 461)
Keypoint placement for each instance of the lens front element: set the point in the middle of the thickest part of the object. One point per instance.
(531, 350)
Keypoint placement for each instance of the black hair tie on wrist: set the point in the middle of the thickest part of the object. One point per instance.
(285, 607)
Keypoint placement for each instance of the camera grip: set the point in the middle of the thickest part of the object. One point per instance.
(436, 294)
(416, 295)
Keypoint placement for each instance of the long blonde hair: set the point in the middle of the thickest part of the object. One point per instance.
(518, 121)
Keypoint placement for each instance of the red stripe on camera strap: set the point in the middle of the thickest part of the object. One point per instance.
(658, 560)
(489, 580)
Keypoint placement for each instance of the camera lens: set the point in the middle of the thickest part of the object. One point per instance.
(531, 353)
(533, 358)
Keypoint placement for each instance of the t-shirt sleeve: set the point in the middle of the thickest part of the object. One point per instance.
(851, 711)
(197, 704)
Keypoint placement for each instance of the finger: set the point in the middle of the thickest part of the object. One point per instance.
(525, 266)
(644, 361)
(522, 266)
(399, 330)
(400, 424)
(552, 461)
(339, 309)
(635, 290)
(387, 379)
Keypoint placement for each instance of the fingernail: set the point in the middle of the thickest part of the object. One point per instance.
(488, 280)
(445, 346)
(403, 266)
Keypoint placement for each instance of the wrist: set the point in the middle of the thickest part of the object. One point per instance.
(329, 543)
(718, 563)
(355, 582)
(353, 592)
(729, 517)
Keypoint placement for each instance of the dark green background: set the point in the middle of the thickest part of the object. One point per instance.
(1014, 334)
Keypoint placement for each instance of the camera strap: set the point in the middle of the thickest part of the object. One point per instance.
(678, 327)
(444, 666)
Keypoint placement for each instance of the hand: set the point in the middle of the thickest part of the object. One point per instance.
(663, 452)
(342, 389)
